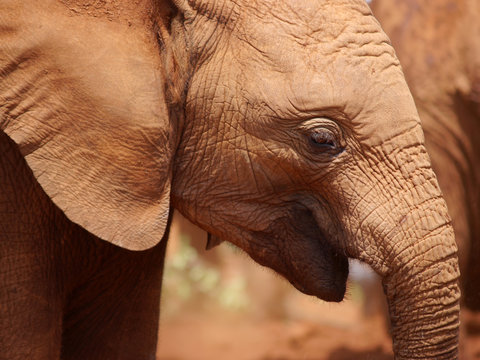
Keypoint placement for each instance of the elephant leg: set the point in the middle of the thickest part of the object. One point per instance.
(30, 310)
(30, 290)
(113, 311)
(30, 313)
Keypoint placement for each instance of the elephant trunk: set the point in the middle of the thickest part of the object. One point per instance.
(414, 251)
(423, 296)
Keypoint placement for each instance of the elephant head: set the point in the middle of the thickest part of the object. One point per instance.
(285, 127)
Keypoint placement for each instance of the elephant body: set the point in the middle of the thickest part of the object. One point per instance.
(438, 46)
(74, 296)
(285, 127)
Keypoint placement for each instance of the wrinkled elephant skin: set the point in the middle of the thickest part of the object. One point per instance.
(440, 54)
(285, 127)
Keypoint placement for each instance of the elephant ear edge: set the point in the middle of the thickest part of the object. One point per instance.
(96, 130)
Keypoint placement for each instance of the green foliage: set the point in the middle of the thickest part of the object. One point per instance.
(356, 293)
(188, 280)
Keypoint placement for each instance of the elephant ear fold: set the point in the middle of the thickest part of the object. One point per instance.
(93, 125)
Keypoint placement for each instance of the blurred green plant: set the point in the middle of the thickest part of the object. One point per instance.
(356, 292)
(188, 280)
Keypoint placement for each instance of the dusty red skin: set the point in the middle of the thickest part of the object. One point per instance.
(440, 56)
(284, 127)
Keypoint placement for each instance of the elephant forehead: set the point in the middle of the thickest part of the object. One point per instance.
(114, 10)
(376, 107)
(302, 10)
(304, 22)
(338, 44)
(365, 82)
(373, 97)
(297, 58)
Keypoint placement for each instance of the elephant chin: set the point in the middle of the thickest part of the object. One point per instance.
(333, 291)
(304, 256)
(327, 284)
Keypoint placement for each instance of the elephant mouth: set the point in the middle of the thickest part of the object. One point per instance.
(304, 255)
(334, 293)
(327, 271)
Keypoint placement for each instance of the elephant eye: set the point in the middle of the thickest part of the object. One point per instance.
(323, 136)
(323, 140)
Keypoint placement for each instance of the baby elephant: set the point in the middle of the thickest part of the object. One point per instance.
(283, 126)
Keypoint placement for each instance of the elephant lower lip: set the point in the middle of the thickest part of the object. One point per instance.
(334, 292)
(297, 286)
(331, 295)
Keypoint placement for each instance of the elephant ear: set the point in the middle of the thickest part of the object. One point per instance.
(84, 100)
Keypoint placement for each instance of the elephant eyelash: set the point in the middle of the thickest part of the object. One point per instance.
(323, 140)
(323, 136)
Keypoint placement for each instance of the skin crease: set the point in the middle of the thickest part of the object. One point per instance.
(441, 64)
(284, 127)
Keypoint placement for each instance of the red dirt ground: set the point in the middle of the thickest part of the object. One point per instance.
(202, 336)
